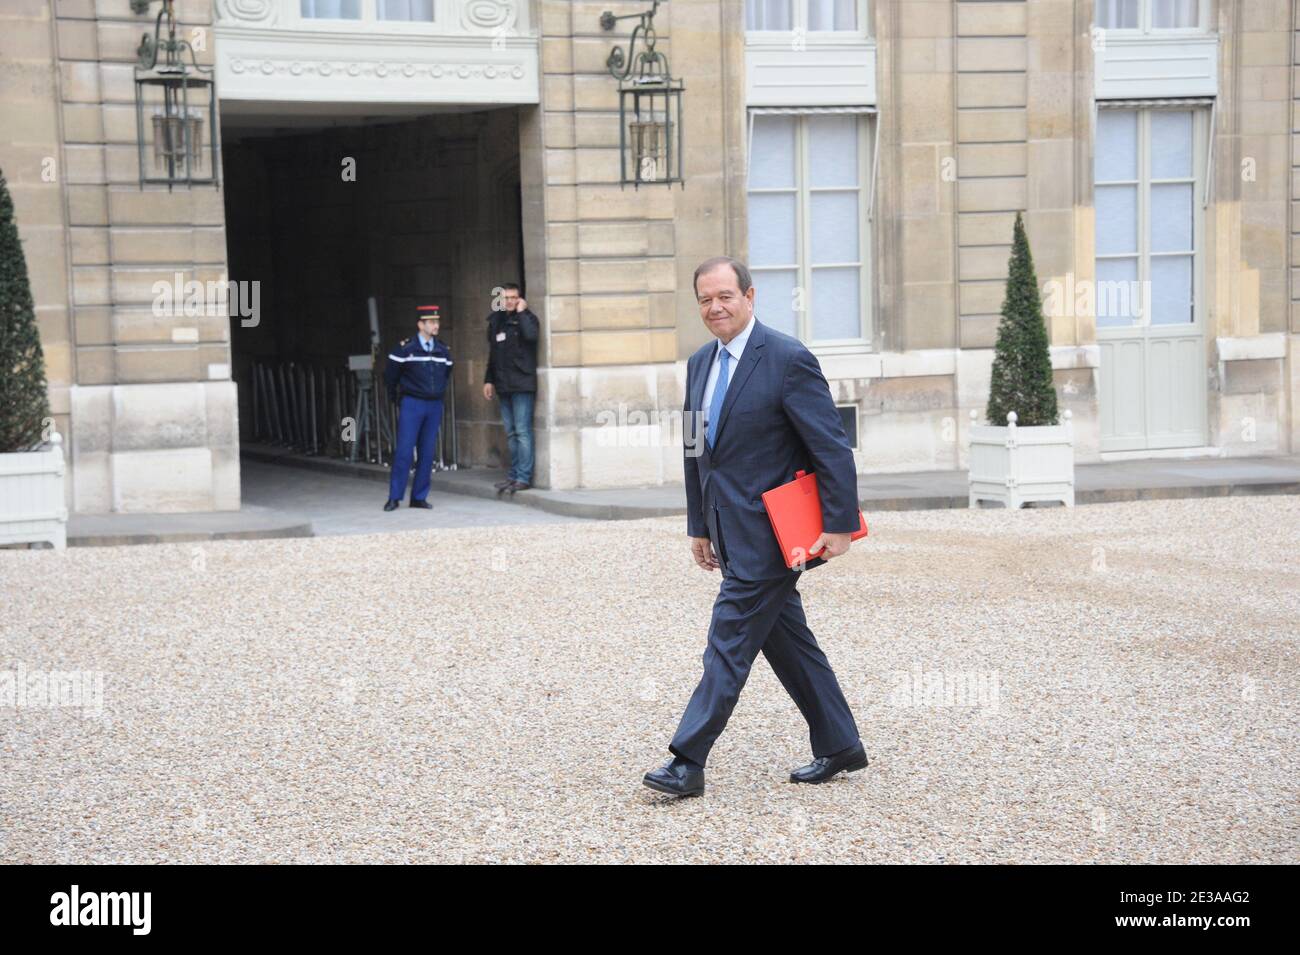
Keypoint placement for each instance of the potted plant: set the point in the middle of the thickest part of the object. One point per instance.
(1023, 454)
(32, 504)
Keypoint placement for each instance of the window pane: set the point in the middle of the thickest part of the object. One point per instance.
(1171, 218)
(767, 14)
(833, 150)
(1116, 219)
(406, 10)
(1171, 144)
(835, 303)
(772, 164)
(1117, 14)
(834, 227)
(1117, 299)
(832, 15)
(1171, 289)
(1116, 145)
(772, 229)
(331, 9)
(774, 300)
(1174, 14)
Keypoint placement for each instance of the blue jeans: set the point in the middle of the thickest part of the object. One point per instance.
(517, 416)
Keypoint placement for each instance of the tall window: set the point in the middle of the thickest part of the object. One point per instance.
(808, 235)
(1148, 14)
(416, 10)
(1145, 202)
(331, 9)
(815, 16)
(406, 10)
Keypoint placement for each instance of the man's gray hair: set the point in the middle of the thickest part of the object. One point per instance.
(743, 278)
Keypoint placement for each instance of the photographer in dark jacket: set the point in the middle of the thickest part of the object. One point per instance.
(512, 378)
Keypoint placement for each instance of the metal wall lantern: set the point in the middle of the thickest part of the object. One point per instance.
(173, 103)
(649, 106)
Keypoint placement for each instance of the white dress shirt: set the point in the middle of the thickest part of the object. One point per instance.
(737, 348)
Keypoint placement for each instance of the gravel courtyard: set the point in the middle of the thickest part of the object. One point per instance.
(1112, 683)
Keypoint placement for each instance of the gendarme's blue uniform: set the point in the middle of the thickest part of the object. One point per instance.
(423, 375)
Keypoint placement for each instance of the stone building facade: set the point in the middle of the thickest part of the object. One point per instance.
(866, 156)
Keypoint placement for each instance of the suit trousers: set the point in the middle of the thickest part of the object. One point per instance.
(418, 420)
(766, 615)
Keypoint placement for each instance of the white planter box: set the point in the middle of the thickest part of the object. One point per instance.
(1015, 465)
(32, 504)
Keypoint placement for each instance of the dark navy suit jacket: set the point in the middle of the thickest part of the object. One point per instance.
(778, 418)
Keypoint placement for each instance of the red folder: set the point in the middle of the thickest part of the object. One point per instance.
(795, 511)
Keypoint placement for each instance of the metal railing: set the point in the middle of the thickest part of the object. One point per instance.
(335, 411)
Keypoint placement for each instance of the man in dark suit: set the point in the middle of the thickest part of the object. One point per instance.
(767, 413)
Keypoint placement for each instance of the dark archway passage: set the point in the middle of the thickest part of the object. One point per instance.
(417, 211)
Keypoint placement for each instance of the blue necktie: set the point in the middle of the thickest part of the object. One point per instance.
(719, 396)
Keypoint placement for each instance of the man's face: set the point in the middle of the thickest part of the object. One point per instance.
(510, 299)
(723, 307)
(429, 326)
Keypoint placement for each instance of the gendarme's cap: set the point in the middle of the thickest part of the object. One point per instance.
(426, 311)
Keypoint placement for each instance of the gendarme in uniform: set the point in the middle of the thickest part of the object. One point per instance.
(420, 368)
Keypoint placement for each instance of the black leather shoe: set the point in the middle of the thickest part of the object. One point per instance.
(676, 778)
(518, 486)
(391, 505)
(425, 505)
(824, 767)
(501, 486)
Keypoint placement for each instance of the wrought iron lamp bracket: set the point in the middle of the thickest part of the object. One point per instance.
(648, 62)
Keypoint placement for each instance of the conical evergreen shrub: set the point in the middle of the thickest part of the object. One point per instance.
(1022, 363)
(24, 403)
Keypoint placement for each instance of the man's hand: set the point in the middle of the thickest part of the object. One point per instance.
(702, 551)
(488, 391)
(521, 306)
(830, 545)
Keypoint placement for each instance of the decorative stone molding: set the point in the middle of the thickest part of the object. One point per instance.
(453, 17)
(473, 53)
(496, 15)
(394, 69)
(1252, 347)
(248, 12)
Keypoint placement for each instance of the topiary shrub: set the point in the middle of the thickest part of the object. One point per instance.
(1022, 362)
(24, 402)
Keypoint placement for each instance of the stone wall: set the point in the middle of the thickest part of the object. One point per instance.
(616, 262)
(32, 162)
(1291, 365)
(148, 398)
(984, 111)
(1249, 281)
